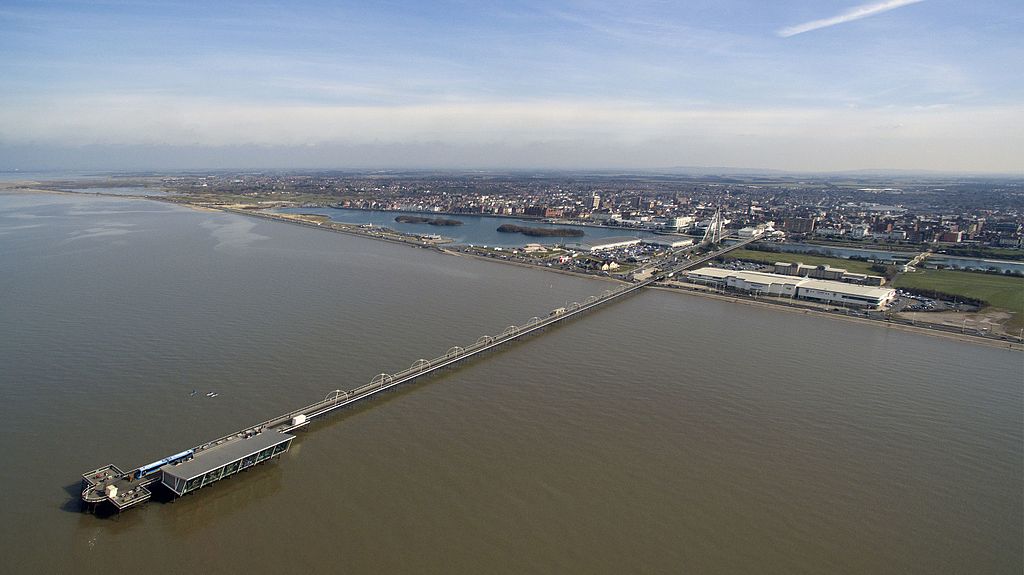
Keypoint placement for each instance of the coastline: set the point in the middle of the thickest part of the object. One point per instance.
(933, 331)
(400, 239)
(964, 338)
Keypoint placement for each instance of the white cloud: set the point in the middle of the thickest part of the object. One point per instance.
(549, 133)
(855, 13)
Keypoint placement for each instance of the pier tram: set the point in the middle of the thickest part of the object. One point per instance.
(182, 473)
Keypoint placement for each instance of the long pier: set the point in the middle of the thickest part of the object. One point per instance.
(214, 460)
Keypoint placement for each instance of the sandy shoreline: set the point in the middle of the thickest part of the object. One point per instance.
(12, 189)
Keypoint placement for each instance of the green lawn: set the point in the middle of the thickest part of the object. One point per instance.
(852, 266)
(1004, 292)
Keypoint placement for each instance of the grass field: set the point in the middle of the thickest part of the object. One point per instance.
(852, 266)
(999, 291)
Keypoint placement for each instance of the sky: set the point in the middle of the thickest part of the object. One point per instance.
(802, 85)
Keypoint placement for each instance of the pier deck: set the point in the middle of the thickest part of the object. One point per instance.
(214, 460)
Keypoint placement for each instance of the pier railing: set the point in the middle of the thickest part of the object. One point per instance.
(339, 397)
(382, 381)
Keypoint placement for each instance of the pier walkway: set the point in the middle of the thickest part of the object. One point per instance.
(213, 460)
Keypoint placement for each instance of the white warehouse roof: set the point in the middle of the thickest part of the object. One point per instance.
(850, 289)
(609, 243)
(840, 288)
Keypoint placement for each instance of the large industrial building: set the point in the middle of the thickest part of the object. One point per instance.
(601, 244)
(796, 287)
(825, 272)
(669, 241)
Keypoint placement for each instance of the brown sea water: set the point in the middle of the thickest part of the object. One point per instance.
(666, 433)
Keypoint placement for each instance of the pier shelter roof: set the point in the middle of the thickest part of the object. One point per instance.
(212, 459)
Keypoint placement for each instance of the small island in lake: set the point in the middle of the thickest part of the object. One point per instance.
(431, 221)
(544, 232)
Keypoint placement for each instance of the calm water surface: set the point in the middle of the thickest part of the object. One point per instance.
(45, 176)
(477, 230)
(664, 434)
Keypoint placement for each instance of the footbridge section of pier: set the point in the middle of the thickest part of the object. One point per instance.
(340, 398)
